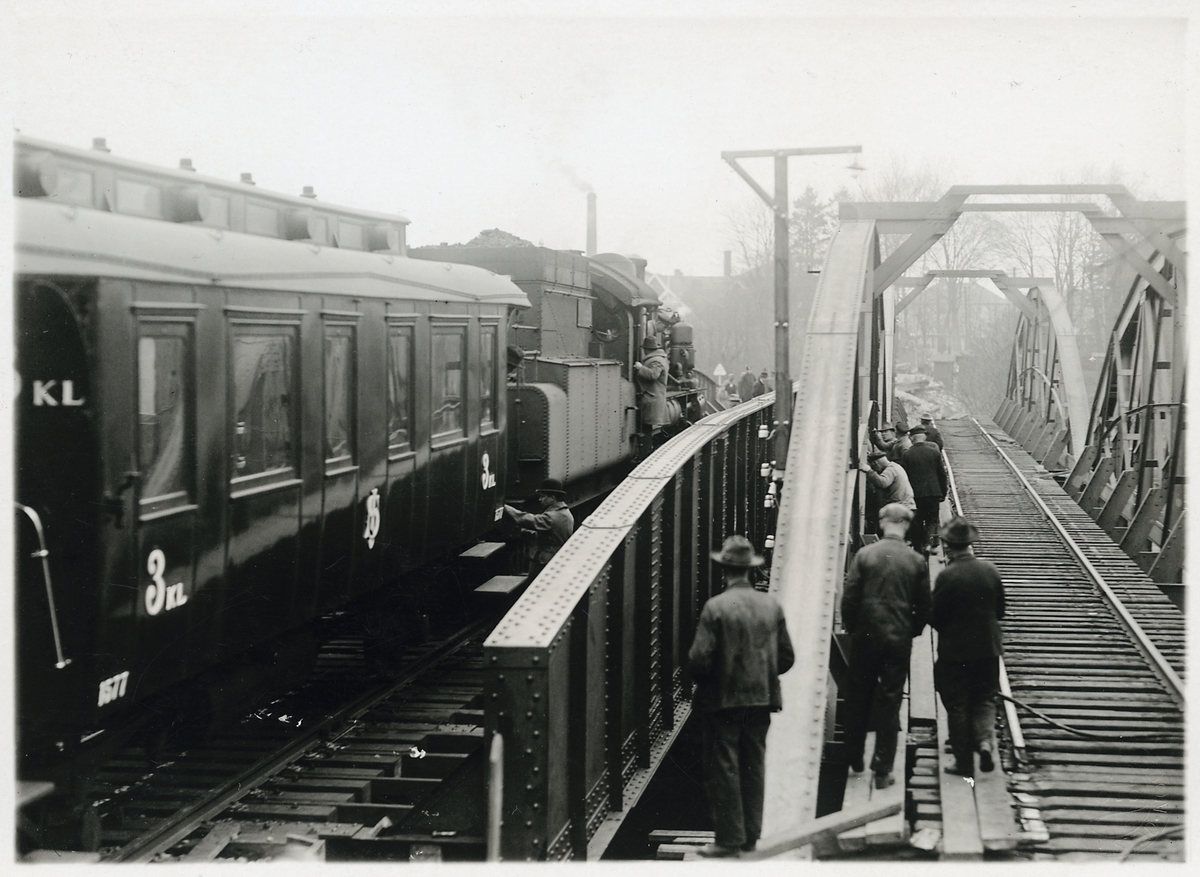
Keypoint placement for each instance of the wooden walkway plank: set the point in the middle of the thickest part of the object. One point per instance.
(857, 794)
(892, 829)
(922, 703)
(829, 826)
(960, 820)
(210, 846)
(997, 828)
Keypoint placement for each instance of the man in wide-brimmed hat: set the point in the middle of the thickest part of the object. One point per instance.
(741, 647)
(553, 526)
(968, 604)
(885, 604)
(932, 434)
(892, 438)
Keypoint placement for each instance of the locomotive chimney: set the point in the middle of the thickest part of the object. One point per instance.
(591, 224)
(728, 263)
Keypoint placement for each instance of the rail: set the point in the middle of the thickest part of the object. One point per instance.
(586, 675)
(1161, 667)
(180, 824)
(1010, 709)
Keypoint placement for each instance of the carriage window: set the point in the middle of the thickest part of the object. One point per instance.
(487, 376)
(400, 388)
(263, 363)
(339, 394)
(162, 413)
(447, 403)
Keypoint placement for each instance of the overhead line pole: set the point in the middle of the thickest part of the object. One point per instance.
(779, 206)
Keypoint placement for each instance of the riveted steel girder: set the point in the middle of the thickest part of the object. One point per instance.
(814, 512)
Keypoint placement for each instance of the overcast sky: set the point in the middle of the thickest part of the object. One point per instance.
(465, 123)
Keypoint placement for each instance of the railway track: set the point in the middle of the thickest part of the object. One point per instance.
(1093, 646)
(347, 767)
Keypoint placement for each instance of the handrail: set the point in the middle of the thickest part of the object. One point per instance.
(44, 554)
(586, 674)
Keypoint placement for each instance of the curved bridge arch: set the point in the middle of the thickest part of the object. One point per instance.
(1046, 388)
(1130, 475)
(1045, 382)
(587, 677)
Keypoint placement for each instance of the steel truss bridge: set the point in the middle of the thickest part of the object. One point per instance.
(587, 680)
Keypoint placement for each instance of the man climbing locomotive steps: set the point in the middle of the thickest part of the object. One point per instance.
(551, 528)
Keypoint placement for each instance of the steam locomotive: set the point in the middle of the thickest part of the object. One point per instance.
(238, 411)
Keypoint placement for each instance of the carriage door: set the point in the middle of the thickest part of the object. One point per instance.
(339, 522)
(491, 476)
(166, 510)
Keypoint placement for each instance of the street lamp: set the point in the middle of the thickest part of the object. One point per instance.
(779, 205)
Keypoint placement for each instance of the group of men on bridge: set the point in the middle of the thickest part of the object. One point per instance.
(906, 467)
(745, 387)
(741, 644)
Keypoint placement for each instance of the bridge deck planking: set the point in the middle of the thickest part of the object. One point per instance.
(1095, 796)
(961, 839)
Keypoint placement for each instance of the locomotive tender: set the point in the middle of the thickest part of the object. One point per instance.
(238, 411)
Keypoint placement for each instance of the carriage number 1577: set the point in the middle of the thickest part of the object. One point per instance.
(112, 688)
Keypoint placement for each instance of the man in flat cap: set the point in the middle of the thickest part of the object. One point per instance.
(741, 647)
(968, 604)
(553, 526)
(890, 479)
(885, 604)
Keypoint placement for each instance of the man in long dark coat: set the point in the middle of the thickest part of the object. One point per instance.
(746, 385)
(651, 376)
(927, 475)
(741, 647)
(968, 604)
(885, 603)
(553, 526)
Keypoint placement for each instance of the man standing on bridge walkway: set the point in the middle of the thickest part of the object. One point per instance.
(968, 604)
(932, 433)
(892, 439)
(741, 647)
(890, 479)
(885, 604)
(927, 474)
